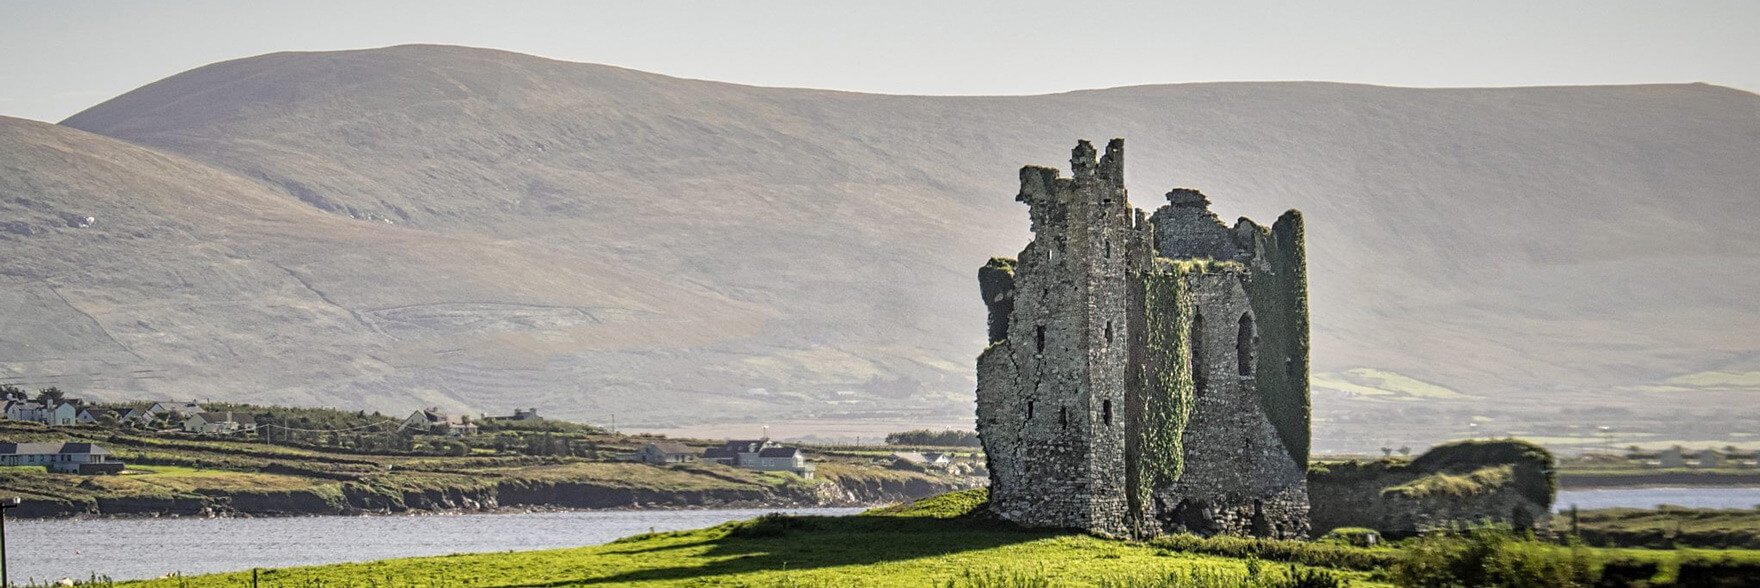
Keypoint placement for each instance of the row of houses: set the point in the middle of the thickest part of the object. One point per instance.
(432, 419)
(192, 418)
(1677, 457)
(756, 454)
(68, 411)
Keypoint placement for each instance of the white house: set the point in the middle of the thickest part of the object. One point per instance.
(782, 459)
(63, 414)
(60, 414)
(22, 410)
(928, 460)
(664, 452)
(760, 454)
(178, 409)
(739, 452)
(71, 458)
(432, 420)
(211, 423)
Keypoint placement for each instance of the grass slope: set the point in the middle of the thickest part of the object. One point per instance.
(255, 478)
(937, 542)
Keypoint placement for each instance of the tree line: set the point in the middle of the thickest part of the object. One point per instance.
(935, 438)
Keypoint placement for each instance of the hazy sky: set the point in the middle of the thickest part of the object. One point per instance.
(61, 56)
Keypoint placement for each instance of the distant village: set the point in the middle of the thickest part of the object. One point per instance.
(52, 408)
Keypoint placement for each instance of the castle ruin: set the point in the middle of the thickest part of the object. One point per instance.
(1145, 374)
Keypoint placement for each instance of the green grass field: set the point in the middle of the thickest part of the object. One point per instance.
(949, 541)
(902, 547)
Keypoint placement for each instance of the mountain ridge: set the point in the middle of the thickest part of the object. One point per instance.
(1473, 239)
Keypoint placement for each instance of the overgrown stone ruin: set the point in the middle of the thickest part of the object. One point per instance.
(1505, 482)
(1145, 374)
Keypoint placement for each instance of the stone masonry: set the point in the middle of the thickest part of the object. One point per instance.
(1146, 374)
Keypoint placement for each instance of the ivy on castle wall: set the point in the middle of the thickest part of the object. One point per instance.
(1166, 382)
(1278, 290)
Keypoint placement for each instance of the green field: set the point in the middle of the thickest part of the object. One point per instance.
(948, 541)
(1670, 526)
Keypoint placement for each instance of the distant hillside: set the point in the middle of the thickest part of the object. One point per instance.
(591, 239)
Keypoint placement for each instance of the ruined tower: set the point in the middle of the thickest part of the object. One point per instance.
(1145, 375)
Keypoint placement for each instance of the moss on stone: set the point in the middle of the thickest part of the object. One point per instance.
(1278, 290)
(1167, 381)
(1002, 264)
(1533, 468)
(1480, 481)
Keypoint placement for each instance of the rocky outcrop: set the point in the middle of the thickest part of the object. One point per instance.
(1471, 482)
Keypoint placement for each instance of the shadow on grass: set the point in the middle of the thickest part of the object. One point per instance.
(779, 543)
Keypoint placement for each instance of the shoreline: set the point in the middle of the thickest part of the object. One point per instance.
(491, 511)
(1658, 480)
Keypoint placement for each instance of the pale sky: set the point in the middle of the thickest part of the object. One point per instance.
(59, 57)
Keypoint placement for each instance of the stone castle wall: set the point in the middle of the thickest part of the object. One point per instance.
(1098, 408)
(1051, 390)
(1239, 478)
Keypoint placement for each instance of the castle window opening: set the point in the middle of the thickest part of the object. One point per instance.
(1108, 243)
(1063, 416)
(1106, 411)
(1244, 344)
(1108, 331)
(1039, 337)
(1029, 410)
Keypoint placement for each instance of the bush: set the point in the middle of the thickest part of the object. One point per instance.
(1354, 536)
(1721, 572)
(1256, 576)
(934, 438)
(1490, 557)
(1627, 573)
(769, 526)
(1319, 554)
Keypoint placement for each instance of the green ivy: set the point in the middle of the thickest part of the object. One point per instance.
(1278, 290)
(1166, 382)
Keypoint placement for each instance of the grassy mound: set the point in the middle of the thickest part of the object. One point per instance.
(952, 505)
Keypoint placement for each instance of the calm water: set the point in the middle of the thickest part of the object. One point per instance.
(1651, 497)
(146, 548)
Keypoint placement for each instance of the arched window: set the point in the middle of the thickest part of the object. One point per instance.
(1196, 344)
(1245, 344)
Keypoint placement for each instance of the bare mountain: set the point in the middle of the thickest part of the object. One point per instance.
(492, 229)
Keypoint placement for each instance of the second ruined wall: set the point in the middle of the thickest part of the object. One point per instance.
(1237, 476)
